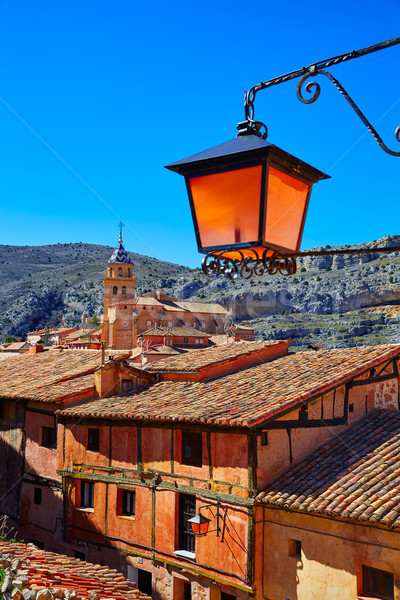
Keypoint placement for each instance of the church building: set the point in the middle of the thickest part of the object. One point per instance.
(127, 315)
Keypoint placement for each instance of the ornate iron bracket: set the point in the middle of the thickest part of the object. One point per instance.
(253, 264)
(249, 265)
(254, 127)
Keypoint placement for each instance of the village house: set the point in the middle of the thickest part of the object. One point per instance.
(208, 433)
(56, 334)
(32, 387)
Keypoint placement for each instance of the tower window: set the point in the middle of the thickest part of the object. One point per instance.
(129, 272)
(120, 272)
(115, 290)
(124, 289)
(111, 272)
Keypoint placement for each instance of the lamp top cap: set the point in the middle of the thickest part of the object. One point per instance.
(248, 147)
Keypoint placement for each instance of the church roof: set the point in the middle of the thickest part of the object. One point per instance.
(120, 255)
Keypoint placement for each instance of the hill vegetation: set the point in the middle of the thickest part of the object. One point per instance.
(336, 301)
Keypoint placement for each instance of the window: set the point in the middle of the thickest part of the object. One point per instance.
(126, 385)
(377, 583)
(170, 324)
(187, 510)
(93, 439)
(187, 324)
(120, 272)
(187, 591)
(48, 437)
(149, 323)
(295, 548)
(80, 555)
(225, 596)
(124, 290)
(115, 290)
(37, 495)
(1, 409)
(264, 438)
(191, 449)
(185, 340)
(203, 325)
(129, 272)
(128, 503)
(144, 583)
(87, 494)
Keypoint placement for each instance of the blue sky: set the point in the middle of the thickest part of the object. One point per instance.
(116, 90)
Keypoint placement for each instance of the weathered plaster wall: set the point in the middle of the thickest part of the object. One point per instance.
(332, 556)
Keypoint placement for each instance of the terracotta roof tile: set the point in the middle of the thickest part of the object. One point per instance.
(176, 331)
(347, 477)
(49, 376)
(53, 570)
(206, 357)
(245, 398)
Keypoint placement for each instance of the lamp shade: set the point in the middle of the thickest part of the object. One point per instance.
(199, 524)
(247, 193)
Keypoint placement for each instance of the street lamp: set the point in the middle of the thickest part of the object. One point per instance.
(249, 198)
(200, 523)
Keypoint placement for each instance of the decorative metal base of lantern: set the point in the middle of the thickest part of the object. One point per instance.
(249, 264)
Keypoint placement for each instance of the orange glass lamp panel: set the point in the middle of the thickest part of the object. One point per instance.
(227, 206)
(286, 205)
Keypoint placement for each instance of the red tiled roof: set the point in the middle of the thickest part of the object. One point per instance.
(43, 376)
(51, 570)
(243, 399)
(206, 357)
(176, 331)
(355, 476)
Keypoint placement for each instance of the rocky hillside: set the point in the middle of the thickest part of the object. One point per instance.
(337, 301)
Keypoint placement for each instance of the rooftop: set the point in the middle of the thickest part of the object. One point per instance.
(245, 398)
(51, 570)
(354, 476)
(209, 356)
(49, 376)
(176, 331)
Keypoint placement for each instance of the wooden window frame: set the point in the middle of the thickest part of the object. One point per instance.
(48, 437)
(93, 439)
(194, 441)
(89, 501)
(379, 583)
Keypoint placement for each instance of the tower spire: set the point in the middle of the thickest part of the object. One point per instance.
(121, 225)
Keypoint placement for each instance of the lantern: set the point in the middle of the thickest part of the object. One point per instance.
(247, 194)
(199, 524)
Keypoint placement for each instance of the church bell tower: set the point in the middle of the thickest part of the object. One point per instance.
(119, 328)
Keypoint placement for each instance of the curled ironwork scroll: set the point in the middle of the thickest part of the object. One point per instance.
(313, 88)
(248, 265)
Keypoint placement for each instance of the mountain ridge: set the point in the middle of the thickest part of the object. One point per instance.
(41, 284)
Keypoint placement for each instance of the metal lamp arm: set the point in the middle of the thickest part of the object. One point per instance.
(316, 69)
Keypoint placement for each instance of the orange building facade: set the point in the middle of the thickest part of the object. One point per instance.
(214, 430)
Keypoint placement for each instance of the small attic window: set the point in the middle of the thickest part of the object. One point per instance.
(126, 385)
